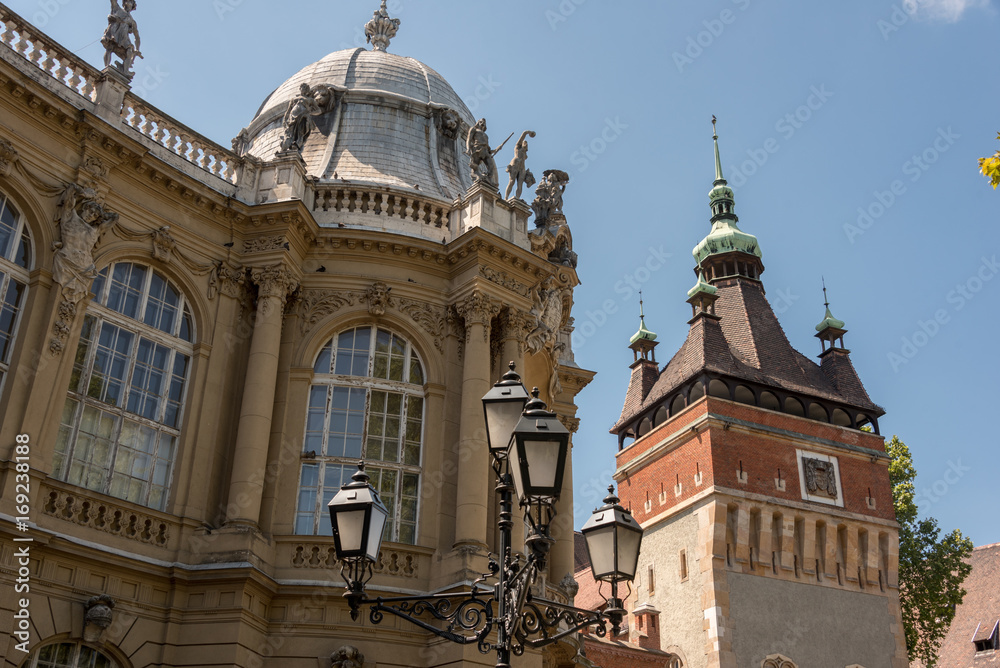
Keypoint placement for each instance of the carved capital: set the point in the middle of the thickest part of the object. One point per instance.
(478, 308)
(275, 281)
(515, 324)
(228, 280)
(571, 423)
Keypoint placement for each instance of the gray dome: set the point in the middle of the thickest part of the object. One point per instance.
(396, 123)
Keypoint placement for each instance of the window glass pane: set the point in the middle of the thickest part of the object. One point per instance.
(22, 257)
(323, 361)
(122, 418)
(416, 372)
(8, 227)
(9, 308)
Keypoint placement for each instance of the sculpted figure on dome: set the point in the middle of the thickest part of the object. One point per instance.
(481, 156)
(82, 221)
(381, 29)
(298, 119)
(116, 38)
(549, 195)
(519, 173)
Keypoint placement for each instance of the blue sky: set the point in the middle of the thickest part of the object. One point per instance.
(849, 130)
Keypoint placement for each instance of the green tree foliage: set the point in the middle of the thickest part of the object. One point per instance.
(991, 168)
(931, 568)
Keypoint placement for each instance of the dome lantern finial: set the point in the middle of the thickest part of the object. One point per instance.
(381, 29)
(719, 178)
(831, 331)
(644, 341)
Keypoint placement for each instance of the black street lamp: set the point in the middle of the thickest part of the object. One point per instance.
(529, 447)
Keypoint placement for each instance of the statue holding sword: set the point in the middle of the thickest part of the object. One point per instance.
(480, 154)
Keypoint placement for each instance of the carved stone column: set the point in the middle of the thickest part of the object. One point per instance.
(246, 485)
(475, 487)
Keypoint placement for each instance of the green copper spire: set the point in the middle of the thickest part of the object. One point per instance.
(643, 333)
(725, 236)
(829, 322)
(702, 286)
(719, 179)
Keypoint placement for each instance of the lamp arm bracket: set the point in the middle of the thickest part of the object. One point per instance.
(543, 622)
(468, 611)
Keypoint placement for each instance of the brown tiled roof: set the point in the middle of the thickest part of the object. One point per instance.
(644, 375)
(980, 609)
(748, 343)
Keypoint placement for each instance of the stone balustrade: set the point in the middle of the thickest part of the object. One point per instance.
(179, 139)
(24, 40)
(116, 518)
(378, 202)
(392, 560)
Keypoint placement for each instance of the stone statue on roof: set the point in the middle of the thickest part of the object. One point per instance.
(519, 173)
(117, 37)
(481, 155)
(549, 195)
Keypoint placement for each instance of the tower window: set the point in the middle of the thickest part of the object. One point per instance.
(684, 565)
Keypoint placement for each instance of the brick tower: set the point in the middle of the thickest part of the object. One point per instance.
(771, 540)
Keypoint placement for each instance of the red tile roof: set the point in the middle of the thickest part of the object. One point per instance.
(980, 609)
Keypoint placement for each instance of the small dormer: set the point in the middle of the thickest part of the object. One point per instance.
(986, 639)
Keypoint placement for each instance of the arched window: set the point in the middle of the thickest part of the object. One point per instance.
(15, 260)
(122, 417)
(366, 402)
(69, 655)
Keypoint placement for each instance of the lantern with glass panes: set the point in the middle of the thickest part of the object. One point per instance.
(530, 447)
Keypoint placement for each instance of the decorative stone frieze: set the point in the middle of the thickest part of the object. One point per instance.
(505, 280)
(264, 244)
(107, 517)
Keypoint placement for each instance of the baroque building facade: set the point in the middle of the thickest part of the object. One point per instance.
(762, 484)
(197, 345)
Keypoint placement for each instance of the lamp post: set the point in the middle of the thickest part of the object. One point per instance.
(529, 447)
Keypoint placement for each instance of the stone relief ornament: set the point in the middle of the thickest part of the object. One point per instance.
(314, 305)
(448, 123)
(549, 313)
(227, 279)
(477, 145)
(163, 244)
(517, 169)
(381, 28)
(117, 37)
(377, 297)
(549, 195)
(8, 156)
(299, 116)
(777, 661)
(820, 477)
(82, 220)
(347, 656)
(563, 254)
(264, 244)
(97, 616)
(434, 319)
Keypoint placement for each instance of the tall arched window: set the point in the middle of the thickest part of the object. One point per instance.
(69, 655)
(366, 402)
(122, 417)
(15, 260)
